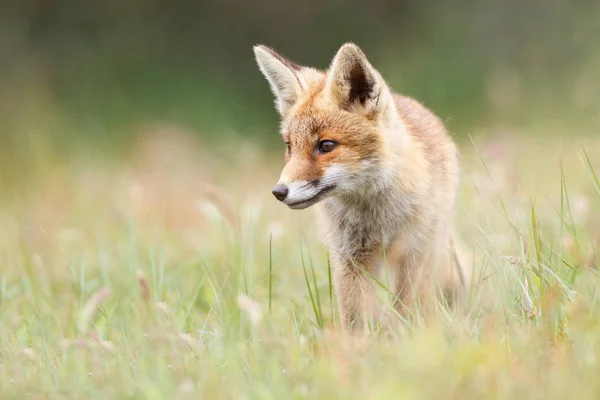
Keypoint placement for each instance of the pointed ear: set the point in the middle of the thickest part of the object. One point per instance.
(283, 75)
(354, 84)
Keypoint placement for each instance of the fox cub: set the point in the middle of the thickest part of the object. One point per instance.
(383, 171)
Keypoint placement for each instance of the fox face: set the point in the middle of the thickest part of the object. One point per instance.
(336, 125)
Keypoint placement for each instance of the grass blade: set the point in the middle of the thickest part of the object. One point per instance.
(310, 289)
(270, 271)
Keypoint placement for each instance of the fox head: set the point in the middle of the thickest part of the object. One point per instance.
(336, 124)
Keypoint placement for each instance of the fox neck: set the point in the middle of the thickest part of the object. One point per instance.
(373, 214)
(357, 223)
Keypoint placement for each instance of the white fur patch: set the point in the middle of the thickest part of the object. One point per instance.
(300, 191)
(333, 175)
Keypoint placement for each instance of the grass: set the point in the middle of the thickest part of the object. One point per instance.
(176, 275)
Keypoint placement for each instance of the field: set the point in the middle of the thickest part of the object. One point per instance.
(172, 272)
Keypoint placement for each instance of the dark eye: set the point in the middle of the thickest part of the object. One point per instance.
(325, 146)
(288, 147)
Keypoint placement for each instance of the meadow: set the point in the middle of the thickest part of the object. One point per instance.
(172, 272)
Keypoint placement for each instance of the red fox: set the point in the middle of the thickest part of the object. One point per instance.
(381, 167)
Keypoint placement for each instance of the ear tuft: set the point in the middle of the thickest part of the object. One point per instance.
(282, 75)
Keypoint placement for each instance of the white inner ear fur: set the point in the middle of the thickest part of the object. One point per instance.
(286, 85)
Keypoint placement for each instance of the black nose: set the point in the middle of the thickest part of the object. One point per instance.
(280, 192)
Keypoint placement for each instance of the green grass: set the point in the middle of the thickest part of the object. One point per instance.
(139, 281)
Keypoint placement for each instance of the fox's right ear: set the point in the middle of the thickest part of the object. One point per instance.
(354, 84)
(283, 76)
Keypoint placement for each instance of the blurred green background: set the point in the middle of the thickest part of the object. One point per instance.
(85, 72)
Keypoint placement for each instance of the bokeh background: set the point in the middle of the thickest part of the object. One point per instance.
(138, 149)
(91, 73)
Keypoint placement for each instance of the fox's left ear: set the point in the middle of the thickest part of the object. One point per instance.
(354, 84)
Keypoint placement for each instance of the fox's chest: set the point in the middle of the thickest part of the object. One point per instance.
(353, 231)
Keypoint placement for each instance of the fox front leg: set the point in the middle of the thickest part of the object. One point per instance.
(414, 284)
(355, 294)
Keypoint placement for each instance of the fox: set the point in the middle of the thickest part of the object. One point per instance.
(382, 172)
